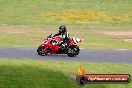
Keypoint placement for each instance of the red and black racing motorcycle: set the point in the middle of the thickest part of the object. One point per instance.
(50, 46)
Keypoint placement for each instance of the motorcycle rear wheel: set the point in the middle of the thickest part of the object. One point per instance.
(73, 51)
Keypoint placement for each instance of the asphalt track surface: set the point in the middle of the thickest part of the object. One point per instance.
(85, 55)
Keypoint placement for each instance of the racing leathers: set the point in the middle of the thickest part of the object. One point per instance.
(65, 39)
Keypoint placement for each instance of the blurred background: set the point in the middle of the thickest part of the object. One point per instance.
(101, 23)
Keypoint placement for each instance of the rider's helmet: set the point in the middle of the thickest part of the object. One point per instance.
(62, 29)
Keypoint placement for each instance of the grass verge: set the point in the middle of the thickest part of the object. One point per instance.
(92, 34)
(54, 74)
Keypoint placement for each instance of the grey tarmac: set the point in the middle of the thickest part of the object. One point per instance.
(85, 55)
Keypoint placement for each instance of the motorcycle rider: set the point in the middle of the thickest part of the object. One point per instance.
(65, 37)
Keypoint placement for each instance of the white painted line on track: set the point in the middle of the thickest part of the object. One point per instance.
(81, 48)
(121, 49)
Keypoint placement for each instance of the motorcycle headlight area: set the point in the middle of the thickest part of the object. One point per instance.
(45, 42)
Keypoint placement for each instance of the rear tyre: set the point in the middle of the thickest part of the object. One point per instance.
(73, 51)
(42, 51)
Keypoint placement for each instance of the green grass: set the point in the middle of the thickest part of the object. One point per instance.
(32, 37)
(54, 74)
(42, 17)
(29, 12)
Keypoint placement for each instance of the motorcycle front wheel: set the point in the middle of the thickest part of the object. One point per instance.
(42, 50)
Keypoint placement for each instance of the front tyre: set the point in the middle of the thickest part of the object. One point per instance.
(73, 51)
(42, 50)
